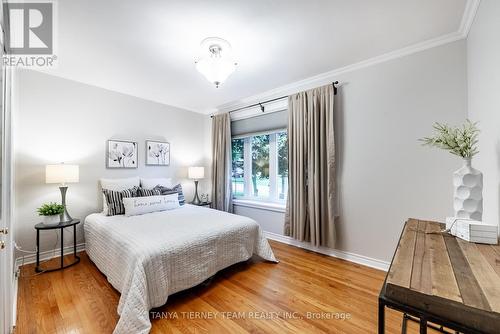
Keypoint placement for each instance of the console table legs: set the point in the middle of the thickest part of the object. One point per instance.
(381, 316)
(423, 325)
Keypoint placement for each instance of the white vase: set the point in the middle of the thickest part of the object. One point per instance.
(468, 192)
(52, 220)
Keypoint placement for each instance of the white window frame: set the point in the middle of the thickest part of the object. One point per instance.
(273, 167)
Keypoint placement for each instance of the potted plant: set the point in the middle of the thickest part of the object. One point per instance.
(51, 213)
(467, 181)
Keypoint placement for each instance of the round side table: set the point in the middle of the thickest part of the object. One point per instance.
(61, 226)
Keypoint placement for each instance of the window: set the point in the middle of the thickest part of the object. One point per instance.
(260, 166)
(282, 143)
(238, 168)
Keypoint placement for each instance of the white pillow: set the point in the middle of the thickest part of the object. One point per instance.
(117, 185)
(151, 183)
(141, 205)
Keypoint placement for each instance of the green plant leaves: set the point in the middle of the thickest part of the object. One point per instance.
(50, 209)
(460, 141)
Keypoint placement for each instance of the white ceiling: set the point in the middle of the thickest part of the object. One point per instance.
(147, 48)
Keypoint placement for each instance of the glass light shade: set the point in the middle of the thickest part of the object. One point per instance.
(196, 173)
(62, 173)
(215, 69)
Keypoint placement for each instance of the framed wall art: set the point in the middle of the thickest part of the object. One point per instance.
(157, 153)
(121, 154)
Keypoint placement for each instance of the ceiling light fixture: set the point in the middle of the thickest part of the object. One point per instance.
(216, 63)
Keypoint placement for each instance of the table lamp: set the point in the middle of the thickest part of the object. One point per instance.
(62, 173)
(196, 173)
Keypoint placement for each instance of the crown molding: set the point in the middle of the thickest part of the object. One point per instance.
(327, 77)
(470, 12)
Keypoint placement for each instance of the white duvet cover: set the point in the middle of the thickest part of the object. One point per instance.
(151, 256)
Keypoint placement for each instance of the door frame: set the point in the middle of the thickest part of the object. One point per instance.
(7, 277)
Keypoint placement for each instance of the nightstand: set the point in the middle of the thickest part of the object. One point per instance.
(61, 226)
(202, 204)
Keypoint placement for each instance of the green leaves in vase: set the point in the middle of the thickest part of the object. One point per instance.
(460, 141)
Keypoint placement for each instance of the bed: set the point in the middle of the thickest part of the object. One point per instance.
(149, 257)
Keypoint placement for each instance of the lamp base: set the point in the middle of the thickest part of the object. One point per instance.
(65, 217)
(196, 199)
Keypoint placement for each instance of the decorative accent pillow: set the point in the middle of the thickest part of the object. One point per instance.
(151, 183)
(175, 190)
(148, 192)
(114, 200)
(116, 185)
(141, 205)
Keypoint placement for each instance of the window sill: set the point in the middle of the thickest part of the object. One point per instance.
(269, 206)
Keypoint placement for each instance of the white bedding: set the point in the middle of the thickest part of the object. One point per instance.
(151, 256)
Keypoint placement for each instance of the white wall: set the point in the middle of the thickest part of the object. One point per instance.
(61, 120)
(269, 220)
(385, 176)
(483, 63)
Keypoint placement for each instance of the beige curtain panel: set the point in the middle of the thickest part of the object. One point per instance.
(310, 211)
(221, 163)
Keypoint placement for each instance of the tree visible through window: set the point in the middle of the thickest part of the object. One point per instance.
(282, 140)
(260, 166)
(238, 167)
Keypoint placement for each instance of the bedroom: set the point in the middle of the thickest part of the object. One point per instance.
(237, 166)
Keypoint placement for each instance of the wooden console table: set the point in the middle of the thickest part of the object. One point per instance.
(443, 280)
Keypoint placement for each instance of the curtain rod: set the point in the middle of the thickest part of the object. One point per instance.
(260, 104)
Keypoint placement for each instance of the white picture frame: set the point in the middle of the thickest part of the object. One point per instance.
(121, 154)
(157, 153)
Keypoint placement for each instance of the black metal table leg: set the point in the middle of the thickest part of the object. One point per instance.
(423, 325)
(381, 316)
(404, 325)
(37, 269)
(74, 240)
(61, 226)
(62, 248)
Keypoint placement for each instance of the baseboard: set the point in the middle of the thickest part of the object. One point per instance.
(47, 255)
(351, 257)
(348, 256)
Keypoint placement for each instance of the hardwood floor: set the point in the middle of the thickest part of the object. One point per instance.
(238, 299)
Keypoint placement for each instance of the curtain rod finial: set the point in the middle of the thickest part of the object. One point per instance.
(335, 89)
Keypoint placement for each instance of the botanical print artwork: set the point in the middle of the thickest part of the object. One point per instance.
(157, 153)
(122, 154)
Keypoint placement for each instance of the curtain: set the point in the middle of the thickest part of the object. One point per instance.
(310, 210)
(221, 163)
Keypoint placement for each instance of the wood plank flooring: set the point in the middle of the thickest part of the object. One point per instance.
(250, 297)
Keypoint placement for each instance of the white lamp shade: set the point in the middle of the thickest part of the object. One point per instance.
(62, 173)
(216, 70)
(196, 173)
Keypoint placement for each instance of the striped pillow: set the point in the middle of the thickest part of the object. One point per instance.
(176, 189)
(148, 192)
(114, 199)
